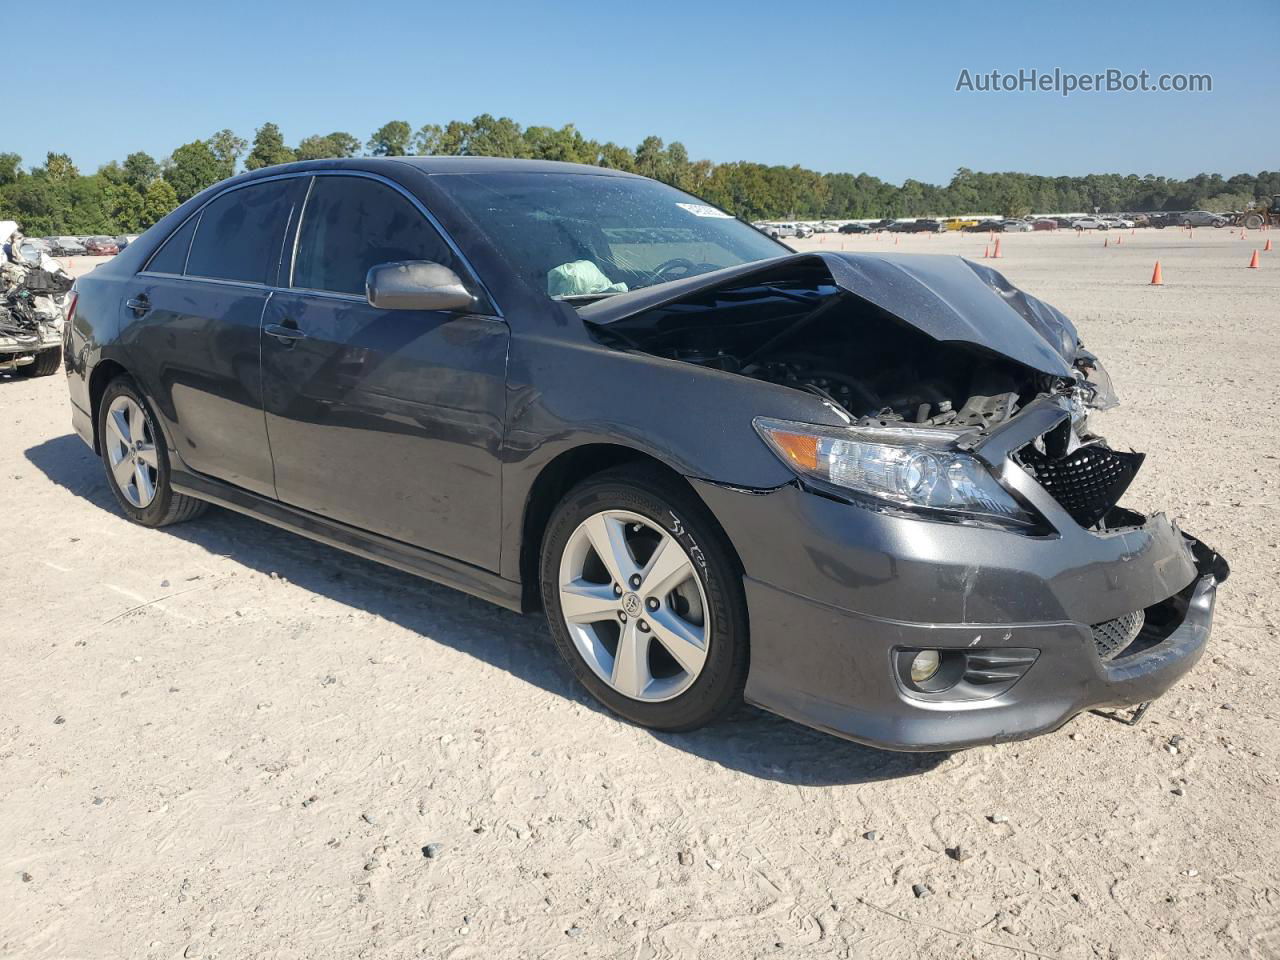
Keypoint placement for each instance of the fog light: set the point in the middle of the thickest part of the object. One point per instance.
(924, 666)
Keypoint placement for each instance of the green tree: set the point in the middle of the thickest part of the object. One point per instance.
(268, 148)
(59, 168)
(139, 170)
(495, 137)
(228, 148)
(391, 139)
(10, 168)
(191, 168)
(125, 207)
(651, 158)
(617, 158)
(433, 140)
(160, 199)
(336, 144)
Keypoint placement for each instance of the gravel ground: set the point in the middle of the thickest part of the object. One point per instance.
(222, 740)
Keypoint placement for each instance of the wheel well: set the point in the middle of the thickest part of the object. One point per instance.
(104, 371)
(556, 479)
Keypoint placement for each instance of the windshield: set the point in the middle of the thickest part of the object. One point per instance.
(578, 235)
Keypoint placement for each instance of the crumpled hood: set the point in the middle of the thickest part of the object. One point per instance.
(948, 298)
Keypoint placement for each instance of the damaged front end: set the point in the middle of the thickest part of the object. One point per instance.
(940, 393)
(920, 357)
(34, 298)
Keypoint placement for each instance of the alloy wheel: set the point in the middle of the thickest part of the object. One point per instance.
(634, 606)
(131, 451)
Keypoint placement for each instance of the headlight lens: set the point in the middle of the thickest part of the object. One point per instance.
(916, 469)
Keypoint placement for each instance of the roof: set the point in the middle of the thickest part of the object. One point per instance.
(439, 165)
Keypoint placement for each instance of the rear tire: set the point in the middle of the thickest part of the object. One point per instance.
(48, 362)
(137, 453)
(654, 505)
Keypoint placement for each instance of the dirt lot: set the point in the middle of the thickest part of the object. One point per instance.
(222, 740)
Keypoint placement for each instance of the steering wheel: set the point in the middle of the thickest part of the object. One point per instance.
(688, 267)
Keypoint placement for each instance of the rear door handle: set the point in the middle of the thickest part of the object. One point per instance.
(283, 333)
(139, 304)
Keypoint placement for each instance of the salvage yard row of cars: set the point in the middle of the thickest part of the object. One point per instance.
(1189, 218)
(95, 246)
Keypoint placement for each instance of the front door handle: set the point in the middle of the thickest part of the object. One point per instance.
(139, 304)
(284, 333)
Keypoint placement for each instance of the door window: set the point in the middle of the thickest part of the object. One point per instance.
(240, 233)
(353, 223)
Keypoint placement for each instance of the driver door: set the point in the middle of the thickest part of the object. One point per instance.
(386, 420)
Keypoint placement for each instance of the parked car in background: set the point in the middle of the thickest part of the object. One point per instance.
(1203, 218)
(883, 224)
(1118, 223)
(1090, 223)
(1162, 220)
(1016, 226)
(101, 247)
(959, 223)
(916, 226)
(1045, 223)
(32, 248)
(855, 228)
(985, 226)
(65, 246)
(778, 230)
(803, 230)
(868, 497)
(1065, 223)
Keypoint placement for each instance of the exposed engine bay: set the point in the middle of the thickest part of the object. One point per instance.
(32, 302)
(803, 327)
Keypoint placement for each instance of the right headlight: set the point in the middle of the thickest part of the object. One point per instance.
(912, 469)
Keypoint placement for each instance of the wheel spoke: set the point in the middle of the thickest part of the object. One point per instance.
(631, 662)
(119, 426)
(583, 602)
(686, 642)
(123, 471)
(667, 569)
(137, 423)
(608, 538)
(146, 489)
(147, 455)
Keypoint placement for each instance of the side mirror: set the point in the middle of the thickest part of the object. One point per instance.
(416, 285)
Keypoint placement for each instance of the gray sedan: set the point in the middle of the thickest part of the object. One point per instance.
(861, 491)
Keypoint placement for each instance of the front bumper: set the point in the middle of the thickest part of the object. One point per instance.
(18, 351)
(837, 593)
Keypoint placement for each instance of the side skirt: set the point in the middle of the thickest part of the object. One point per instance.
(402, 556)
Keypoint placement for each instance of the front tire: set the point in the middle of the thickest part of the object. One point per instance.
(46, 364)
(644, 599)
(137, 461)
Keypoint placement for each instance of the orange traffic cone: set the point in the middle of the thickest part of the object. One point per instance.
(1106, 242)
(1119, 240)
(1267, 248)
(986, 252)
(996, 255)
(1157, 280)
(1133, 233)
(1242, 233)
(1253, 264)
(895, 241)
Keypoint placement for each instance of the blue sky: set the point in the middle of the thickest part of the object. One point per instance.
(847, 86)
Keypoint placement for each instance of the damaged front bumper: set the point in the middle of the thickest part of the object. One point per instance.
(18, 351)
(841, 596)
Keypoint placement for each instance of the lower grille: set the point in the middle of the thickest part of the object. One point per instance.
(1111, 637)
(1086, 483)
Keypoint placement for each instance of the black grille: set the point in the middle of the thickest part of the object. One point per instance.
(1111, 637)
(1086, 483)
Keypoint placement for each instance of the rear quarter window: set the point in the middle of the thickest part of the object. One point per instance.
(172, 255)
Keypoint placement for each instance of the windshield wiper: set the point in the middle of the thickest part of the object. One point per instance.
(586, 297)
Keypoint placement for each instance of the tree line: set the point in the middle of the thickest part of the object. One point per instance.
(130, 195)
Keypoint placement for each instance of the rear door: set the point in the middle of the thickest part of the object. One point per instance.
(192, 325)
(387, 420)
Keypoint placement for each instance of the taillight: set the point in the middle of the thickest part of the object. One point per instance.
(72, 299)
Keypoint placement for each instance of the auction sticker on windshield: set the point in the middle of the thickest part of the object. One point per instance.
(704, 210)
